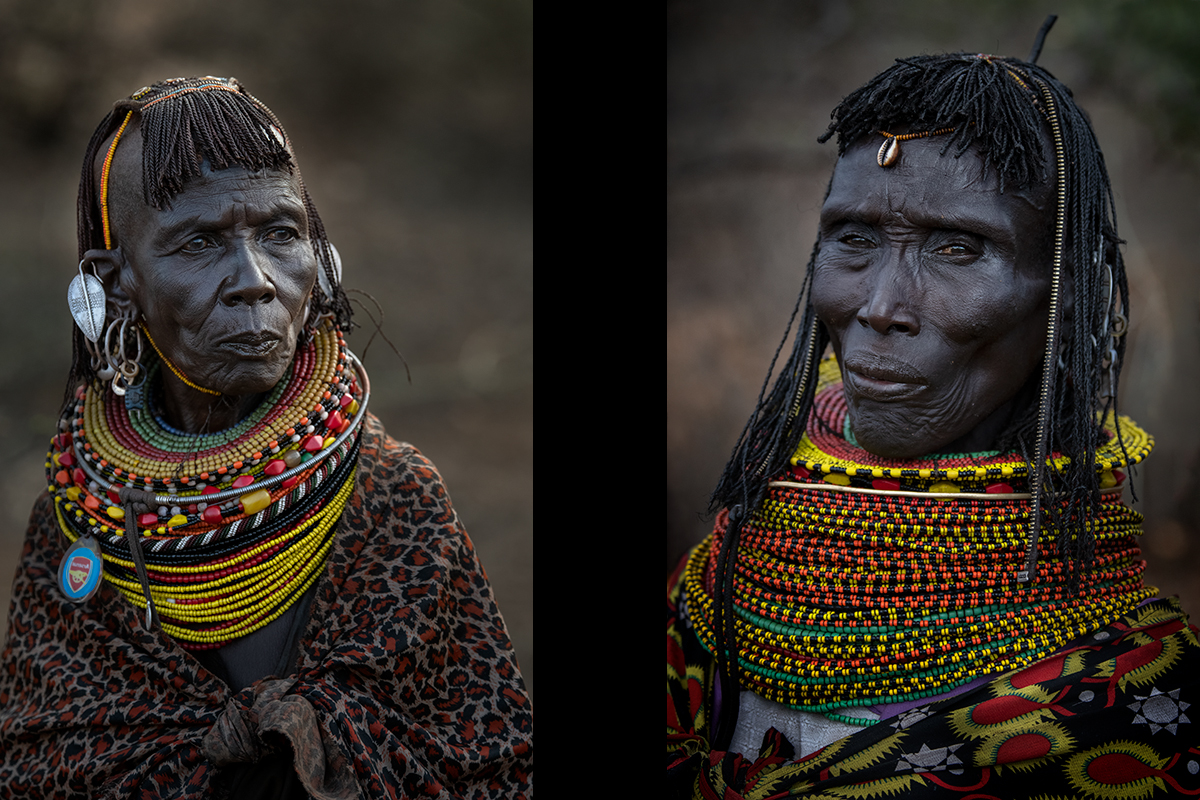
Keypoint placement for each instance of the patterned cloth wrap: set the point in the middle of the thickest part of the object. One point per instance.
(406, 685)
(1106, 717)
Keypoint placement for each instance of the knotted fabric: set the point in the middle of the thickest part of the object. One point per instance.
(238, 736)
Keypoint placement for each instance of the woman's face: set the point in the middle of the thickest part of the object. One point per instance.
(935, 289)
(222, 277)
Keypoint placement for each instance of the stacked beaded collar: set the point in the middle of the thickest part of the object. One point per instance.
(244, 517)
(863, 581)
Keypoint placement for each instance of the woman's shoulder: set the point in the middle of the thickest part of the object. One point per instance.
(397, 483)
(394, 461)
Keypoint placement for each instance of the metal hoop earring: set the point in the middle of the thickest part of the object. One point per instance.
(125, 370)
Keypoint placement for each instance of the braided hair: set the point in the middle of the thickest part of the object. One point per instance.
(1005, 110)
(185, 122)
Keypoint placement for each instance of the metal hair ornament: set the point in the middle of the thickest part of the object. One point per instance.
(1049, 374)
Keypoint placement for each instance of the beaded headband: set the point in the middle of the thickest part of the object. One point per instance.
(889, 151)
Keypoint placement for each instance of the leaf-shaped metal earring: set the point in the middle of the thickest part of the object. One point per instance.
(85, 296)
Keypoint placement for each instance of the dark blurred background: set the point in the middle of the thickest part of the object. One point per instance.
(750, 87)
(413, 125)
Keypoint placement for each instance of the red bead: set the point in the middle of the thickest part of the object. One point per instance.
(148, 520)
(313, 444)
(79, 477)
(336, 422)
(212, 515)
(112, 495)
(66, 459)
(886, 484)
(209, 490)
(999, 488)
(243, 481)
(274, 467)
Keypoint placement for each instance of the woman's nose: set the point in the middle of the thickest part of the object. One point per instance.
(890, 307)
(250, 282)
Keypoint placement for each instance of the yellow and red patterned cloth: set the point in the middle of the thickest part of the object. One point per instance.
(1109, 716)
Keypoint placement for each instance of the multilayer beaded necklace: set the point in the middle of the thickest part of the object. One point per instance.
(863, 580)
(242, 519)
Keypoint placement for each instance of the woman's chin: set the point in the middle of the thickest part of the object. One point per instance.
(247, 378)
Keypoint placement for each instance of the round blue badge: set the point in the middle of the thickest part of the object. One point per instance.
(81, 569)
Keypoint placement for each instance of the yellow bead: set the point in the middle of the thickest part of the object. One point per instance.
(176, 521)
(73, 492)
(116, 512)
(838, 478)
(255, 501)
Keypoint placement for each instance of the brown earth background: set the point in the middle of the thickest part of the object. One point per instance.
(750, 87)
(413, 125)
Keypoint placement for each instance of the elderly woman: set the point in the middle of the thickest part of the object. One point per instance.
(237, 584)
(923, 575)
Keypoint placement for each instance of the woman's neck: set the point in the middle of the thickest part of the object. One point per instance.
(191, 411)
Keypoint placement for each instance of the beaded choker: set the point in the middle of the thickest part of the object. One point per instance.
(238, 522)
(863, 580)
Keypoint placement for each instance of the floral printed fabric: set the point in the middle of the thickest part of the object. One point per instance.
(406, 684)
(1110, 716)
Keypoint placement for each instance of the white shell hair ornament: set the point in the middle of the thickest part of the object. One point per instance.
(323, 279)
(85, 296)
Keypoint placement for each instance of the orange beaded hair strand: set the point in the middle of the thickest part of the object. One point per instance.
(112, 149)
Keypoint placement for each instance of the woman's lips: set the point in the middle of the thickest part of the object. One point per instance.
(253, 345)
(882, 379)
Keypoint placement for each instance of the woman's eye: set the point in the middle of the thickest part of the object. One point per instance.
(196, 244)
(955, 250)
(854, 240)
(281, 235)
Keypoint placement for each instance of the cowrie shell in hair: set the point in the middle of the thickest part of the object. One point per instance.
(889, 151)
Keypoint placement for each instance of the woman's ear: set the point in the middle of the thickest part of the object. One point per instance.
(116, 275)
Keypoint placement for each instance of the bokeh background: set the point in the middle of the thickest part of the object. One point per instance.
(413, 125)
(750, 87)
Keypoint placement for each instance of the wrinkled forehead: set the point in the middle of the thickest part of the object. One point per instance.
(118, 179)
(928, 180)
